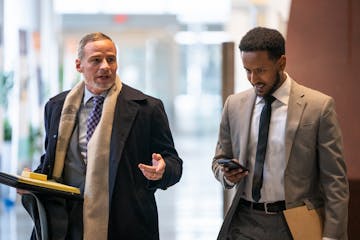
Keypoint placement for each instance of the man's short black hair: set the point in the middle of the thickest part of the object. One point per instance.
(264, 39)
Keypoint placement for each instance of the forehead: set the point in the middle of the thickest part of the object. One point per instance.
(100, 47)
(255, 58)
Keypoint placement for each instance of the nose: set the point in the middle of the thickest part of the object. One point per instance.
(104, 64)
(252, 78)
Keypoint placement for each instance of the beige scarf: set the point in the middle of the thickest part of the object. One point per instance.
(96, 192)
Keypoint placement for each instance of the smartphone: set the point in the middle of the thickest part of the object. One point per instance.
(231, 164)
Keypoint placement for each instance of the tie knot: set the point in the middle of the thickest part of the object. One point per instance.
(98, 100)
(269, 99)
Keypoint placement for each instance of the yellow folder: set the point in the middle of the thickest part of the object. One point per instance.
(36, 182)
(305, 224)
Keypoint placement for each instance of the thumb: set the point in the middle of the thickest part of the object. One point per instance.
(156, 156)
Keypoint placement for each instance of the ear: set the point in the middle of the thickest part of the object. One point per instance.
(282, 62)
(78, 65)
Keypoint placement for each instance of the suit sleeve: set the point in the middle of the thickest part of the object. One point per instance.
(332, 173)
(223, 146)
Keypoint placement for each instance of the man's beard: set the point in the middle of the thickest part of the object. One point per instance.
(275, 85)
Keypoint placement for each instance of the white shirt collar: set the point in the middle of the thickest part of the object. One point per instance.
(88, 95)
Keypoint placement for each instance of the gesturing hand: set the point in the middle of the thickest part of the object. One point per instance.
(156, 171)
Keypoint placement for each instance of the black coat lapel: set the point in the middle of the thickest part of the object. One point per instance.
(124, 116)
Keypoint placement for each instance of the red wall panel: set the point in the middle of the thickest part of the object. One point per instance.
(323, 52)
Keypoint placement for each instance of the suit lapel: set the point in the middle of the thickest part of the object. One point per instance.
(295, 110)
(245, 113)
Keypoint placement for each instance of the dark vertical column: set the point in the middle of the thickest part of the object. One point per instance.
(228, 70)
(323, 49)
(228, 83)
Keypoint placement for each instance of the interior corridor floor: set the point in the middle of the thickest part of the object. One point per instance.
(190, 210)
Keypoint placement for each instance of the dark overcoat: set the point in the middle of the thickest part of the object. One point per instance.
(140, 128)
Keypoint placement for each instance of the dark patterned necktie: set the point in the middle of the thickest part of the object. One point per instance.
(261, 147)
(94, 116)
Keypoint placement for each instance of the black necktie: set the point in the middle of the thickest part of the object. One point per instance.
(261, 147)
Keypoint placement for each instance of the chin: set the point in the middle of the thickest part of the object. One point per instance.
(104, 87)
(260, 93)
(99, 88)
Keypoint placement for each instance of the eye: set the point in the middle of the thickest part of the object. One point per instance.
(260, 70)
(95, 60)
(111, 59)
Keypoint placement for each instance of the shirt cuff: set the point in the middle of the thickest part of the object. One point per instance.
(326, 238)
(228, 184)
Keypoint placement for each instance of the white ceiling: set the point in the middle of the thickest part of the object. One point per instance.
(186, 10)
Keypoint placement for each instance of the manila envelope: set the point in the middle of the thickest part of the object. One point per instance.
(305, 224)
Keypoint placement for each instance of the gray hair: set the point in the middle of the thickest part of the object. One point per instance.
(91, 37)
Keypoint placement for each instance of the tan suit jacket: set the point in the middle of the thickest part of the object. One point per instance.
(315, 173)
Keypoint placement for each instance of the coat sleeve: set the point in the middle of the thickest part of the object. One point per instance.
(47, 117)
(52, 113)
(162, 142)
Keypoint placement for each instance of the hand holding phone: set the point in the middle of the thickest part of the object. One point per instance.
(231, 164)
